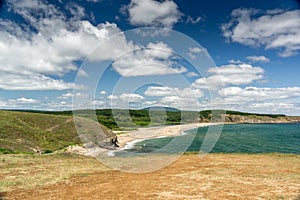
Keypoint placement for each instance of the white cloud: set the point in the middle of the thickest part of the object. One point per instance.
(26, 100)
(232, 74)
(77, 11)
(192, 74)
(126, 100)
(66, 96)
(170, 100)
(258, 58)
(55, 44)
(237, 94)
(256, 100)
(112, 97)
(131, 97)
(232, 61)
(169, 91)
(183, 98)
(179, 102)
(69, 95)
(127, 97)
(192, 20)
(195, 50)
(98, 103)
(103, 92)
(55, 54)
(3, 104)
(155, 59)
(153, 13)
(13, 81)
(272, 30)
(273, 106)
(82, 73)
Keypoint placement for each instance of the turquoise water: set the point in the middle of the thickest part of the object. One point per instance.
(238, 138)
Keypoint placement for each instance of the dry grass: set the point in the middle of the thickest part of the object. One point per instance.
(217, 176)
(29, 171)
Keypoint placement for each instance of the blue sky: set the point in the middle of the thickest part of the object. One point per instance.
(238, 55)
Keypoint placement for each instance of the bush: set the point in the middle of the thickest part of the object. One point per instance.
(6, 151)
(47, 151)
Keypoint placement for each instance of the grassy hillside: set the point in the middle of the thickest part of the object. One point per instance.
(28, 132)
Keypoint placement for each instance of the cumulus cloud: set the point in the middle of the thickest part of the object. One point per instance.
(153, 13)
(192, 74)
(103, 92)
(14, 81)
(274, 29)
(131, 97)
(82, 73)
(237, 94)
(181, 103)
(195, 50)
(48, 43)
(258, 58)
(69, 95)
(261, 100)
(127, 97)
(77, 11)
(232, 61)
(183, 98)
(154, 59)
(233, 74)
(26, 100)
(169, 91)
(97, 103)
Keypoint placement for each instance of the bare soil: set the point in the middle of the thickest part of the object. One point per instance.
(217, 176)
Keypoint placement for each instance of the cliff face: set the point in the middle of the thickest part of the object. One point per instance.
(260, 119)
(235, 118)
(93, 134)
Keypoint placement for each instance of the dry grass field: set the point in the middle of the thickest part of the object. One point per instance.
(217, 176)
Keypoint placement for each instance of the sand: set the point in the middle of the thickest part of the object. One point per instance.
(130, 137)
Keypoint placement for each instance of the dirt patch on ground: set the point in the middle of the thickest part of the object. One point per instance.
(217, 176)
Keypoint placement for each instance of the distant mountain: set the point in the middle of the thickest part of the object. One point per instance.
(162, 108)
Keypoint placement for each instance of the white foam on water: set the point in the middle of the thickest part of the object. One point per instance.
(111, 153)
(130, 145)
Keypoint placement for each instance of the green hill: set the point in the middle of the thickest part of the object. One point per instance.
(31, 132)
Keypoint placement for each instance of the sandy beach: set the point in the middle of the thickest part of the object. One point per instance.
(156, 132)
(127, 138)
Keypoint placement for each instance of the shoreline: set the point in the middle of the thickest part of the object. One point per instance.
(128, 139)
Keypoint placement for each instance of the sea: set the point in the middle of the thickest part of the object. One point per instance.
(234, 138)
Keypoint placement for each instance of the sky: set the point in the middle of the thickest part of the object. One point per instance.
(186, 54)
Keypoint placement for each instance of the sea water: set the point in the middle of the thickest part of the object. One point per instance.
(235, 138)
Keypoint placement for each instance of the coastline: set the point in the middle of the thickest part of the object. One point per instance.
(128, 139)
